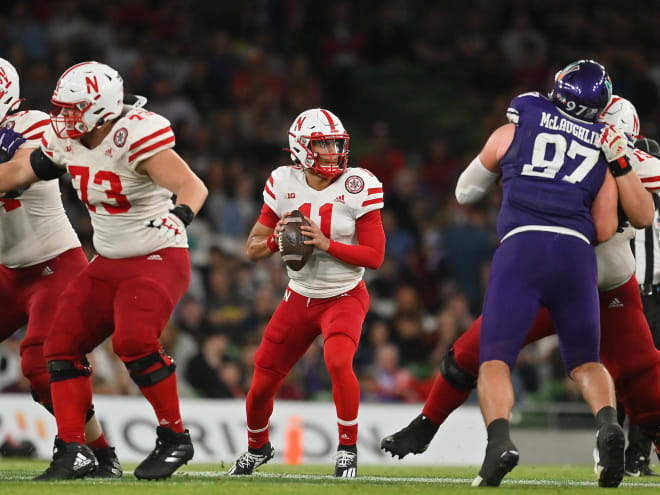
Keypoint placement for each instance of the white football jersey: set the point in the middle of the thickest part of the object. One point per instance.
(616, 263)
(118, 198)
(335, 210)
(33, 227)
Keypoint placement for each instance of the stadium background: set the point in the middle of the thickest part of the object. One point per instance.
(418, 85)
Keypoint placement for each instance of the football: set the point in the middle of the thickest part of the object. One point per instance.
(294, 251)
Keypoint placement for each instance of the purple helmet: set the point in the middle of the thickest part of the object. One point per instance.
(582, 89)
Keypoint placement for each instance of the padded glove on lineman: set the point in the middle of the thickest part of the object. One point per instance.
(173, 223)
(614, 144)
(10, 140)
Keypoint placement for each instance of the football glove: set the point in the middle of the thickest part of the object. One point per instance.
(172, 224)
(614, 144)
(10, 140)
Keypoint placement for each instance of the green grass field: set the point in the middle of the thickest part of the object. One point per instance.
(15, 478)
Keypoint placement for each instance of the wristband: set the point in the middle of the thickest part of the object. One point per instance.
(184, 213)
(620, 167)
(272, 243)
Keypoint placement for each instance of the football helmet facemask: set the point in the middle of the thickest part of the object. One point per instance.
(9, 88)
(86, 96)
(319, 143)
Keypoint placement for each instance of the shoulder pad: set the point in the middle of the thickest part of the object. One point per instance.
(365, 191)
(145, 133)
(517, 104)
(31, 124)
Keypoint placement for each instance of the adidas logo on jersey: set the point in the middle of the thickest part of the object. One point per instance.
(339, 199)
(47, 271)
(615, 303)
(154, 257)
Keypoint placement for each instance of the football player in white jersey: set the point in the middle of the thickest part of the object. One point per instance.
(327, 296)
(124, 169)
(626, 346)
(39, 254)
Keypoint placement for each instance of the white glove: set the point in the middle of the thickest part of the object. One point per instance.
(614, 143)
(169, 226)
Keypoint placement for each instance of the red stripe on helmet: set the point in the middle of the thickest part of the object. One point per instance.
(333, 126)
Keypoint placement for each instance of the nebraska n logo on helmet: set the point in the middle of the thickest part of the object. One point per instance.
(86, 96)
(321, 127)
(9, 88)
(582, 90)
(621, 113)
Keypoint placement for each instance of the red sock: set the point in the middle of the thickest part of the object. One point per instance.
(99, 443)
(442, 400)
(72, 399)
(164, 398)
(338, 351)
(259, 406)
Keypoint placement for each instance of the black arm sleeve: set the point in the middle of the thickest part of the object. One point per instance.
(43, 167)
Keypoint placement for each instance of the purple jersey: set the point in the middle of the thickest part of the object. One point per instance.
(553, 169)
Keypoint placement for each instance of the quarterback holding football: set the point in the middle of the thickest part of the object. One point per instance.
(341, 223)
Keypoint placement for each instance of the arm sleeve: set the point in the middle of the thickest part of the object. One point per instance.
(474, 182)
(370, 251)
(268, 217)
(43, 167)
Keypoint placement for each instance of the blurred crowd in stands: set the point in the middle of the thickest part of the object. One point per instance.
(418, 85)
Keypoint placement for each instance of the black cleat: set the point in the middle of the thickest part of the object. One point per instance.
(172, 451)
(346, 461)
(107, 464)
(251, 460)
(70, 461)
(609, 455)
(500, 459)
(413, 439)
(639, 466)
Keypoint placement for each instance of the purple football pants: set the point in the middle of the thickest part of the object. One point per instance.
(535, 269)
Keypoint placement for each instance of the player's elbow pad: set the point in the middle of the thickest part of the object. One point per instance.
(474, 182)
(43, 167)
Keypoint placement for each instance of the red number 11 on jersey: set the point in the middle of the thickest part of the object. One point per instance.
(325, 212)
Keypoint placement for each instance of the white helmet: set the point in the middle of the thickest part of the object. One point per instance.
(322, 126)
(86, 96)
(9, 88)
(620, 113)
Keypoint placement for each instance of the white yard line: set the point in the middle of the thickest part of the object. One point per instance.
(369, 479)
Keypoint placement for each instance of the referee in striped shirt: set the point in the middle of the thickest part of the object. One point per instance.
(646, 248)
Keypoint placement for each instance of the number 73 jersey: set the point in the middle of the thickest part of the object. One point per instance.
(118, 197)
(335, 210)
